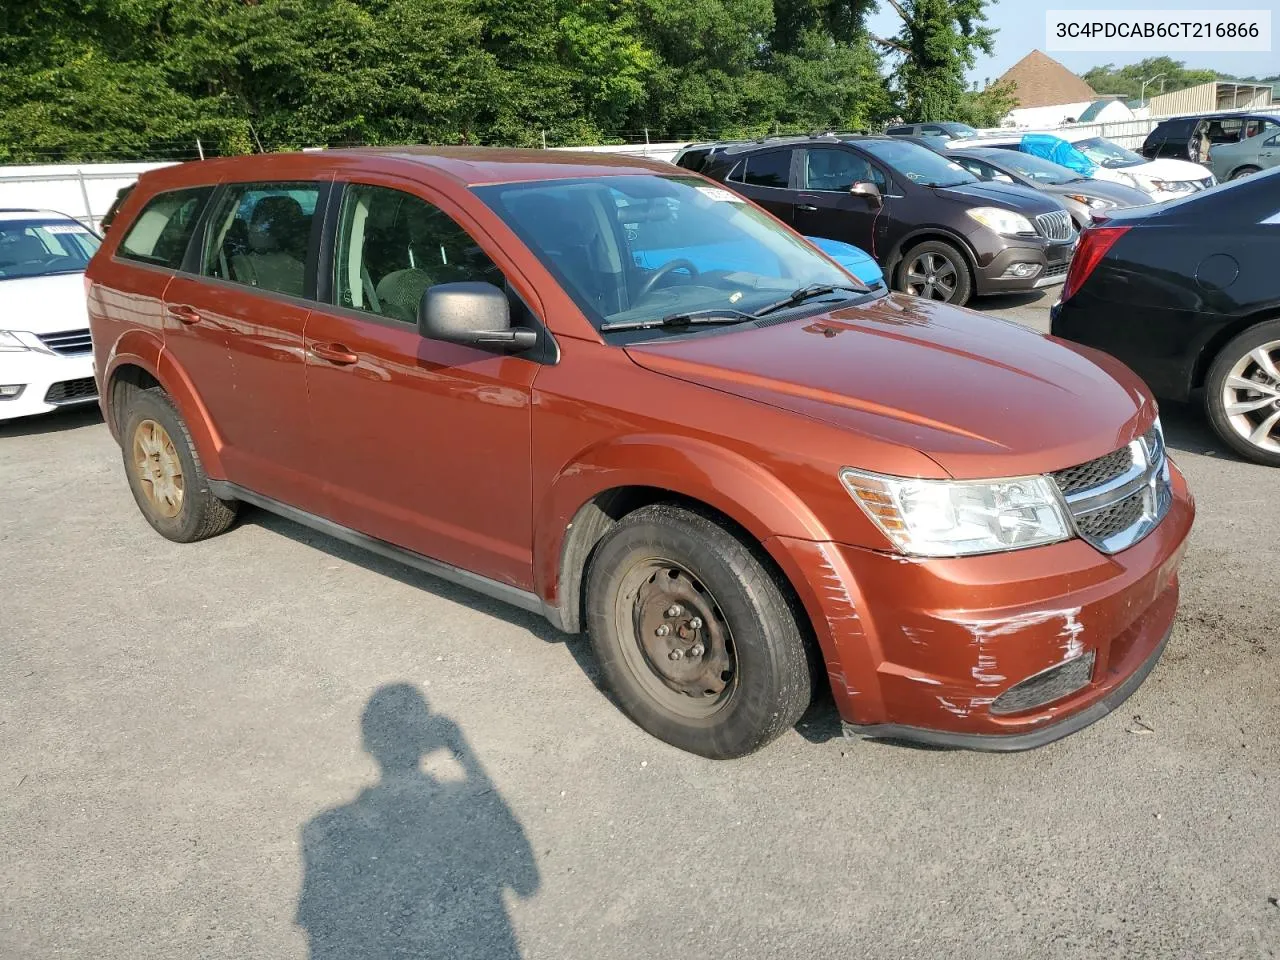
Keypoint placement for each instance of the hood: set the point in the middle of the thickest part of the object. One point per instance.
(44, 304)
(982, 397)
(1009, 195)
(1170, 169)
(1117, 193)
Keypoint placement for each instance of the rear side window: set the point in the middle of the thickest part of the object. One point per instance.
(1173, 130)
(899, 131)
(163, 229)
(692, 159)
(260, 235)
(767, 169)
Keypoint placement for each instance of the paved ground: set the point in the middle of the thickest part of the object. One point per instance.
(182, 772)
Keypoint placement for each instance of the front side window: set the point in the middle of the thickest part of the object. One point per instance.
(835, 171)
(260, 235)
(163, 229)
(644, 247)
(767, 169)
(42, 248)
(392, 246)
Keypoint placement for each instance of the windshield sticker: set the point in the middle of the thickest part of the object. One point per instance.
(719, 195)
(60, 228)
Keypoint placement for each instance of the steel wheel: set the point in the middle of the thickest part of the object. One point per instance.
(676, 642)
(932, 276)
(1251, 397)
(158, 468)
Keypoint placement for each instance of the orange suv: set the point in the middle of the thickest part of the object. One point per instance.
(615, 393)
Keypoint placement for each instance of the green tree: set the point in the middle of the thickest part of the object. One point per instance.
(1127, 81)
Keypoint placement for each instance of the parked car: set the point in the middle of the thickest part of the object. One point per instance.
(1187, 295)
(730, 478)
(109, 217)
(1104, 160)
(936, 230)
(856, 261)
(46, 360)
(1180, 138)
(1083, 196)
(1231, 161)
(947, 129)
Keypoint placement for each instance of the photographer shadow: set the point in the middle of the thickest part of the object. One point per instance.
(417, 865)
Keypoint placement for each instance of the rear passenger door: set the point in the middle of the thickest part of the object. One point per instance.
(421, 443)
(234, 323)
(765, 178)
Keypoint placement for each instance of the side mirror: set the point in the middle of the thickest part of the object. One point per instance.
(472, 314)
(865, 188)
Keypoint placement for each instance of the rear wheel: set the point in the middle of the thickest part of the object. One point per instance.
(696, 640)
(1242, 394)
(1243, 172)
(935, 270)
(165, 473)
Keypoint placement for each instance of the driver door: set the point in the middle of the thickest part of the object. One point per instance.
(825, 208)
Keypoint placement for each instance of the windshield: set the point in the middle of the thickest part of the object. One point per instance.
(41, 248)
(645, 247)
(918, 164)
(1037, 168)
(1107, 154)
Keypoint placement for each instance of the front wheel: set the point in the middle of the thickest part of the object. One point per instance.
(1244, 172)
(1242, 394)
(935, 270)
(696, 639)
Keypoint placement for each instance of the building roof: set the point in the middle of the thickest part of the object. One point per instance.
(1041, 81)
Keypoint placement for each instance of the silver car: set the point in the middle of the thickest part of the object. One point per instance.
(1231, 161)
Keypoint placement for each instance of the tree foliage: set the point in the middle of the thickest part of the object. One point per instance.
(116, 79)
(1109, 80)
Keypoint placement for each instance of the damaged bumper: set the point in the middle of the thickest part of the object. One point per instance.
(1000, 652)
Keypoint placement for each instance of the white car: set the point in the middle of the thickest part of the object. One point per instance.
(1165, 179)
(46, 357)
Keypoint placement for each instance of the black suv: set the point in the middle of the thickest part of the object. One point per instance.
(936, 230)
(1179, 137)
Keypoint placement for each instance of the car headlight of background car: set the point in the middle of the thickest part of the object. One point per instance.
(1093, 203)
(1172, 186)
(947, 518)
(9, 343)
(1002, 221)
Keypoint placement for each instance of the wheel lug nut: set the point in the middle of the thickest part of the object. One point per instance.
(663, 630)
(675, 655)
(695, 623)
(696, 650)
(674, 610)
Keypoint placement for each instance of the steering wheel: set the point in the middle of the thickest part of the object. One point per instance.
(647, 287)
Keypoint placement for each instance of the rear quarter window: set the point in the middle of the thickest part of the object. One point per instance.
(160, 233)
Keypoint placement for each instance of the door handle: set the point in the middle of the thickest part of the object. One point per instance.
(185, 314)
(806, 208)
(334, 353)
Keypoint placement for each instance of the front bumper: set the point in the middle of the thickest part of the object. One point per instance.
(1051, 257)
(48, 381)
(920, 649)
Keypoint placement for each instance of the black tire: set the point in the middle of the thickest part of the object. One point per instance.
(196, 513)
(939, 251)
(748, 625)
(1243, 172)
(1228, 426)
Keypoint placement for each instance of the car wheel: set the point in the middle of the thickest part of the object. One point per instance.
(1243, 172)
(697, 642)
(1242, 394)
(935, 270)
(165, 474)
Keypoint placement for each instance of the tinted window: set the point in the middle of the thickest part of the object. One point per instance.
(40, 248)
(836, 171)
(900, 131)
(162, 230)
(1173, 130)
(260, 235)
(692, 159)
(392, 246)
(768, 169)
(918, 164)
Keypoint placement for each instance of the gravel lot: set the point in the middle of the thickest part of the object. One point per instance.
(182, 772)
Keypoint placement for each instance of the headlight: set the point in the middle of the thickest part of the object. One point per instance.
(1172, 186)
(11, 344)
(1001, 221)
(945, 518)
(1093, 203)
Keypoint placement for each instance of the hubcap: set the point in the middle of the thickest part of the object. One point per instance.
(1251, 397)
(680, 646)
(158, 468)
(932, 276)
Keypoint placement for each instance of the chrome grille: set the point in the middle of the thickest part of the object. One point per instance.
(1118, 499)
(68, 342)
(1055, 225)
(1046, 686)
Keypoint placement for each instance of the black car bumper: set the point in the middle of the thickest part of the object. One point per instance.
(1045, 262)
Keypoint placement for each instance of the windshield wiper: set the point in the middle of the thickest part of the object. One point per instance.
(692, 318)
(797, 297)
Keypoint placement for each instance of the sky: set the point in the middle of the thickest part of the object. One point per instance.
(1021, 25)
